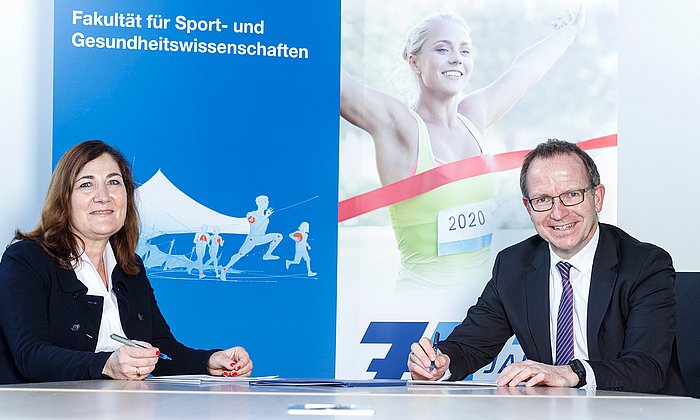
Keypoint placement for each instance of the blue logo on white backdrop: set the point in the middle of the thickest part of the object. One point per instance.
(400, 334)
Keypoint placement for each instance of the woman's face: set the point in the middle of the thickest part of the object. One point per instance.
(444, 62)
(98, 200)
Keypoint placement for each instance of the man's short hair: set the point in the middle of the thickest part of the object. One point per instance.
(555, 147)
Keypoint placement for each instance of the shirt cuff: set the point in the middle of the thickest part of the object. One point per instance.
(446, 376)
(591, 384)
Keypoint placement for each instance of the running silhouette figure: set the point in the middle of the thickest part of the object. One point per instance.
(301, 248)
(215, 242)
(201, 240)
(258, 219)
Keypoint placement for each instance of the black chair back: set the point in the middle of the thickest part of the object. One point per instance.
(688, 331)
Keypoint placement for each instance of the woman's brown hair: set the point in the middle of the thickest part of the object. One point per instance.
(54, 232)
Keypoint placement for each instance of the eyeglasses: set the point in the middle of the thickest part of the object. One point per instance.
(569, 198)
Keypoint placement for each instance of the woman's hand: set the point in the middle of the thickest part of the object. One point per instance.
(570, 18)
(131, 363)
(232, 362)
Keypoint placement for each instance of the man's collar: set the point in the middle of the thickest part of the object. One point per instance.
(582, 260)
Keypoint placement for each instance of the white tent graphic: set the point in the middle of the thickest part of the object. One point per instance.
(164, 209)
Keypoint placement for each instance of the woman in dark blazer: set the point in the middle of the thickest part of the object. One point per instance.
(73, 281)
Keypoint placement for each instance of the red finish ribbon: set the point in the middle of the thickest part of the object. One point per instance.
(444, 174)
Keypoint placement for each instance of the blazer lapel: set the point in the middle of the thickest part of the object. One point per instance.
(537, 295)
(120, 286)
(603, 278)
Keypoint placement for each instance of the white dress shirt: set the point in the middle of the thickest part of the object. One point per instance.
(580, 279)
(110, 322)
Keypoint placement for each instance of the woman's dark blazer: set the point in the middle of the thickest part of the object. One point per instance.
(49, 324)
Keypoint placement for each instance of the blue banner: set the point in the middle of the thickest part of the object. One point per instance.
(228, 112)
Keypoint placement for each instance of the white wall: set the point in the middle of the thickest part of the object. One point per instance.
(26, 55)
(659, 196)
(659, 116)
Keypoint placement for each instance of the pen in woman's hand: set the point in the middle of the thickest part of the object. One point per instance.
(130, 343)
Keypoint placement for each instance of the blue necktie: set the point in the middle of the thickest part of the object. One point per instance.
(565, 318)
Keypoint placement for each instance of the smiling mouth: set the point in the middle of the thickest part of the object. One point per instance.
(452, 74)
(564, 227)
(101, 212)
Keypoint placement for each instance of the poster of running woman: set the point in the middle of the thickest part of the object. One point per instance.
(426, 204)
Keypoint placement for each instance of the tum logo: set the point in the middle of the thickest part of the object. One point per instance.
(400, 335)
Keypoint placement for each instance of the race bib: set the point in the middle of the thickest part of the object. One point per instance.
(465, 228)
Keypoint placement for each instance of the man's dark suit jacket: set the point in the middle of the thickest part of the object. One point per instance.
(631, 314)
(49, 324)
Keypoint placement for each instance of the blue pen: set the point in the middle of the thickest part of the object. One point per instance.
(436, 338)
(130, 343)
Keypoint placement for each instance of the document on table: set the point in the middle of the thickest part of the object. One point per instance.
(343, 383)
(206, 379)
(472, 384)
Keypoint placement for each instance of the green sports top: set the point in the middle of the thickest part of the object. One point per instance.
(415, 223)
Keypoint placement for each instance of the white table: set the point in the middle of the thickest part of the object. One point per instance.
(105, 399)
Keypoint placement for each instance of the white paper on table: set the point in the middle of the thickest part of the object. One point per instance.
(473, 384)
(206, 379)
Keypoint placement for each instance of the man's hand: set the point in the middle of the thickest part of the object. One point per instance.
(422, 353)
(535, 373)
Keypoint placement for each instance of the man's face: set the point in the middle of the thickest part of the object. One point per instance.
(567, 229)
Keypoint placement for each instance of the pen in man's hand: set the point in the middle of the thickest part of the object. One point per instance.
(130, 343)
(436, 338)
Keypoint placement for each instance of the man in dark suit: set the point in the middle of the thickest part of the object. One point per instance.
(590, 305)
